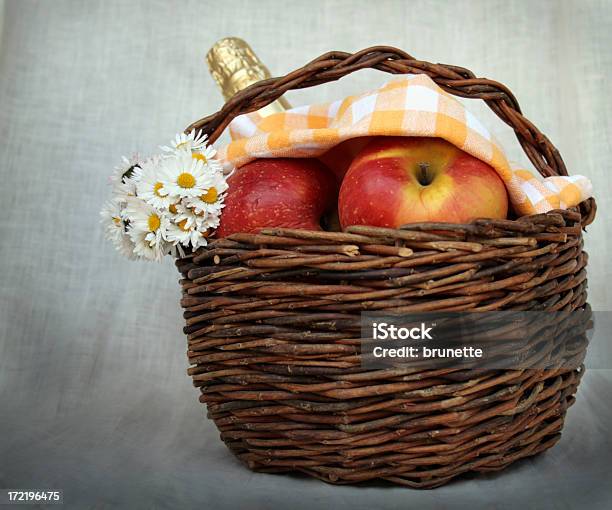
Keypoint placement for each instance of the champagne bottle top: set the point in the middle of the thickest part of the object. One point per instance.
(234, 66)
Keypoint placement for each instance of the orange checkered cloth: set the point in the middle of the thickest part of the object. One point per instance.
(409, 106)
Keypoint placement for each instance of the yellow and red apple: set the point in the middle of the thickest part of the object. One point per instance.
(282, 192)
(399, 180)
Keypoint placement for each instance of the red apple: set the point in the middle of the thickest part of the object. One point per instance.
(282, 192)
(399, 180)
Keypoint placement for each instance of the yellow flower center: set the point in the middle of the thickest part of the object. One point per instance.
(186, 180)
(210, 197)
(199, 156)
(156, 188)
(183, 225)
(172, 208)
(154, 222)
(117, 220)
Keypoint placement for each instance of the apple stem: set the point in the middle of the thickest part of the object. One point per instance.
(425, 176)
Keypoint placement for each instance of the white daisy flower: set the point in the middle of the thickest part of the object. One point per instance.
(147, 248)
(149, 184)
(211, 200)
(194, 141)
(187, 215)
(126, 247)
(115, 229)
(111, 218)
(188, 227)
(212, 220)
(122, 179)
(200, 241)
(206, 154)
(184, 176)
(186, 235)
(146, 219)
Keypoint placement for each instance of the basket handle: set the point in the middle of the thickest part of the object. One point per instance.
(455, 80)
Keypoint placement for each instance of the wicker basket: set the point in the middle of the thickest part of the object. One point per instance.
(271, 320)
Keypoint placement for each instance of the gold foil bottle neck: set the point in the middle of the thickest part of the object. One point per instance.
(234, 66)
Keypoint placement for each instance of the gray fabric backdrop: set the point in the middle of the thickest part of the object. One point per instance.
(93, 393)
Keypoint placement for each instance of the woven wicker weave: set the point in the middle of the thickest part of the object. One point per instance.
(273, 321)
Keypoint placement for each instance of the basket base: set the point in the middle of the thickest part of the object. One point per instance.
(422, 456)
(406, 482)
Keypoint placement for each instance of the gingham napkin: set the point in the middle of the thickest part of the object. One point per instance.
(409, 106)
